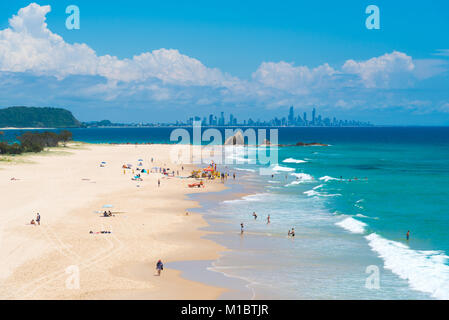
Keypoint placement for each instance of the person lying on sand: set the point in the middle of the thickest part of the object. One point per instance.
(32, 222)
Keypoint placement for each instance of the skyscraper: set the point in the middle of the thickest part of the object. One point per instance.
(291, 117)
(313, 115)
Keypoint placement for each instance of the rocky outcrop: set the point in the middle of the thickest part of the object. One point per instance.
(302, 144)
(236, 139)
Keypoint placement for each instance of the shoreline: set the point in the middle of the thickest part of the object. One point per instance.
(123, 270)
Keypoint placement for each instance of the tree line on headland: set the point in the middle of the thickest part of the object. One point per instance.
(34, 142)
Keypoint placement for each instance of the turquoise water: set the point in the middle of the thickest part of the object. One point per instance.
(351, 207)
(351, 204)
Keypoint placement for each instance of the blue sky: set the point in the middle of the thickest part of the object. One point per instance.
(252, 58)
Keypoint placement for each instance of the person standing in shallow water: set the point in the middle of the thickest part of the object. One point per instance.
(407, 235)
(241, 228)
(268, 219)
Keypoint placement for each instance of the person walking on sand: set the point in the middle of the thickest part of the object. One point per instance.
(158, 183)
(268, 219)
(159, 267)
(38, 219)
(407, 235)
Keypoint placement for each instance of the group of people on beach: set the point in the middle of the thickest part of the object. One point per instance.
(107, 214)
(242, 227)
(37, 221)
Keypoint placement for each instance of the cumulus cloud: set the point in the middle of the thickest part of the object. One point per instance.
(29, 49)
(286, 76)
(29, 46)
(381, 71)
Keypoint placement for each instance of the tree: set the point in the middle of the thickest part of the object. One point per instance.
(65, 136)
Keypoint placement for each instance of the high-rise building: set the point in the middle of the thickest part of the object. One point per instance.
(291, 117)
(313, 115)
(305, 119)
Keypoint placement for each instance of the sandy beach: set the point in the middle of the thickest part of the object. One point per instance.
(69, 189)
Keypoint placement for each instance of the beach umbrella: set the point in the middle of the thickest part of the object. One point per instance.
(129, 165)
(103, 162)
(140, 160)
(108, 206)
(208, 169)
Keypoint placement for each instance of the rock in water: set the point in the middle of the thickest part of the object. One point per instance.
(236, 139)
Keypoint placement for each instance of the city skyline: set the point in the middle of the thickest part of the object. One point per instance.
(153, 60)
(316, 120)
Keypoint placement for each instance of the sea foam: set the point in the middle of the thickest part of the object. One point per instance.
(327, 178)
(302, 176)
(352, 225)
(425, 271)
(280, 168)
(291, 160)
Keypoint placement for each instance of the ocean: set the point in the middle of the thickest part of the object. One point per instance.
(350, 203)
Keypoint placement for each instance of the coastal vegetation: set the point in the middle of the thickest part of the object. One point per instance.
(32, 117)
(34, 142)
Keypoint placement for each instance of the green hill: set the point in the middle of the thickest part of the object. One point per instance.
(31, 117)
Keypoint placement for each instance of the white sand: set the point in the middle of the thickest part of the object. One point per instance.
(67, 188)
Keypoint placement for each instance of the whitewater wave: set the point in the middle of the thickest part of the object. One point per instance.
(311, 193)
(251, 197)
(302, 176)
(425, 271)
(291, 160)
(352, 225)
(281, 168)
(243, 169)
(327, 178)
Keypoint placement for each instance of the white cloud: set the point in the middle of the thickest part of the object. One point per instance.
(381, 72)
(29, 46)
(285, 76)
